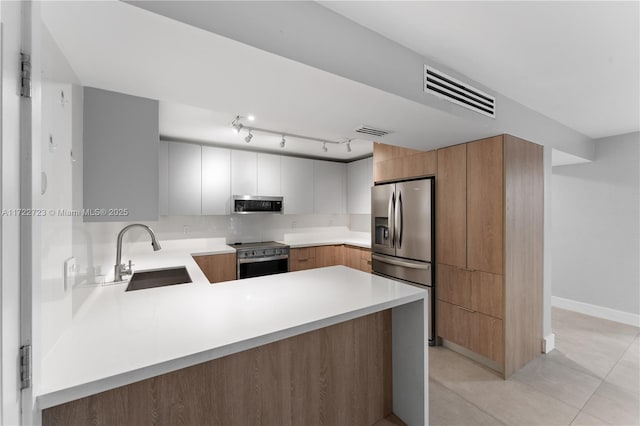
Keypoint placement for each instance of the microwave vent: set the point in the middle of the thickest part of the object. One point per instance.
(453, 90)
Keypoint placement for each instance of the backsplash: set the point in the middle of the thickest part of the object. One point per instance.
(95, 242)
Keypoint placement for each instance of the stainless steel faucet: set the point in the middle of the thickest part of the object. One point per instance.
(120, 269)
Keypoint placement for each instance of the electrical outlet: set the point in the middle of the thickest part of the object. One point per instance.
(69, 273)
(186, 229)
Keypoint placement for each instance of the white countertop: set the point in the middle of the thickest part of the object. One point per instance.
(119, 338)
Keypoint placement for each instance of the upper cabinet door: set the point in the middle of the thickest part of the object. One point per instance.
(269, 175)
(185, 179)
(244, 165)
(216, 180)
(485, 205)
(330, 187)
(120, 155)
(297, 185)
(451, 206)
(359, 183)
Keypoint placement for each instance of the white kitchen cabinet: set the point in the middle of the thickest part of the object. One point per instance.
(359, 183)
(120, 155)
(330, 187)
(297, 185)
(163, 185)
(216, 181)
(268, 175)
(244, 165)
(185, 179)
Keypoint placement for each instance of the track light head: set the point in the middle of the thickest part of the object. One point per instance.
(324, 147)
(282, 142)
(248, 138)
(237, 126)
(349, 145)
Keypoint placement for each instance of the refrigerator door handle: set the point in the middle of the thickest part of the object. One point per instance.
(391, 213)
(399, 220)
(398, 262)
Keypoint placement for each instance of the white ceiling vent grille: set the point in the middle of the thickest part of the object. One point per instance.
(372, 131)
(447, 87)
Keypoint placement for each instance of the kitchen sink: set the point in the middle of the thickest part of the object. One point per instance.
(158, 278)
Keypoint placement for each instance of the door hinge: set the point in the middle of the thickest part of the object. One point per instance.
(25, 367)
(25, 75)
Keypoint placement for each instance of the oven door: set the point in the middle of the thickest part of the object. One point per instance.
(258, 267)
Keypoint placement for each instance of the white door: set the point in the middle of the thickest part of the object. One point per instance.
(16, 231)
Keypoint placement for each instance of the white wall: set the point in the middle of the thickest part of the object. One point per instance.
(595, 217)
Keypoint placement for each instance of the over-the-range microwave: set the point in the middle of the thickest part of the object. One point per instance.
(253, 204)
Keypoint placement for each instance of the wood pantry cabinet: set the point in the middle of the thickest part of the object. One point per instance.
(489, 229)
(218, 267)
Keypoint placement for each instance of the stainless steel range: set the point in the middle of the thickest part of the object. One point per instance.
(263, 258)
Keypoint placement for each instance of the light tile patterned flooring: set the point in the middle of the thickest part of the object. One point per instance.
(591, 378)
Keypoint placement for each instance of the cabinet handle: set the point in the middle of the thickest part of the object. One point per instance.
(466, 309)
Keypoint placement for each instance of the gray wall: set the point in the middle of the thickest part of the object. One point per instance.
(595, 219)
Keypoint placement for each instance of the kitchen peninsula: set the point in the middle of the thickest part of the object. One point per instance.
(331, 345)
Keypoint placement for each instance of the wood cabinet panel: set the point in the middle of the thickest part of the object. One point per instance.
(456, 324)
(524, 230)
(488, 337)
(365, 260)
(302, 258)
(416, 165)
(487, 293)
(218, 267)
(454, 285)
(383, 152)
(329, 256)
(485, 206)
(357, 258)
(340, 374)
(451, 206)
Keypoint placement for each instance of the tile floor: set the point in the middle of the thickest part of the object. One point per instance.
(591, 378)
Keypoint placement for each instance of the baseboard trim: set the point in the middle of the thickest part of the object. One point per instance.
(596, 311)
(548, 343)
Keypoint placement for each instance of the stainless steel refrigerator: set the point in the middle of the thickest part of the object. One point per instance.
(402, 229)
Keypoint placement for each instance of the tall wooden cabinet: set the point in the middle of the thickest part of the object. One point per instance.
(489, 249)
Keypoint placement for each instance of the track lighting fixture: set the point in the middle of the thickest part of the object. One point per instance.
(236, 124)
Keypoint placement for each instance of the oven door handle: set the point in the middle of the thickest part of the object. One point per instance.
(262, 259)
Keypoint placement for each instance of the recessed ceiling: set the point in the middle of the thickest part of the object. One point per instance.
(203, 80)
(576, 62)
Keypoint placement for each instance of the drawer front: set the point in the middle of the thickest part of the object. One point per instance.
(473, 330)
(489, 340)
(454, 285)
(455, 324)
(487, 293)
(302, 253)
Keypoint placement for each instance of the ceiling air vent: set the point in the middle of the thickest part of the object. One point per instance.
(455, 91)
(372, 131)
